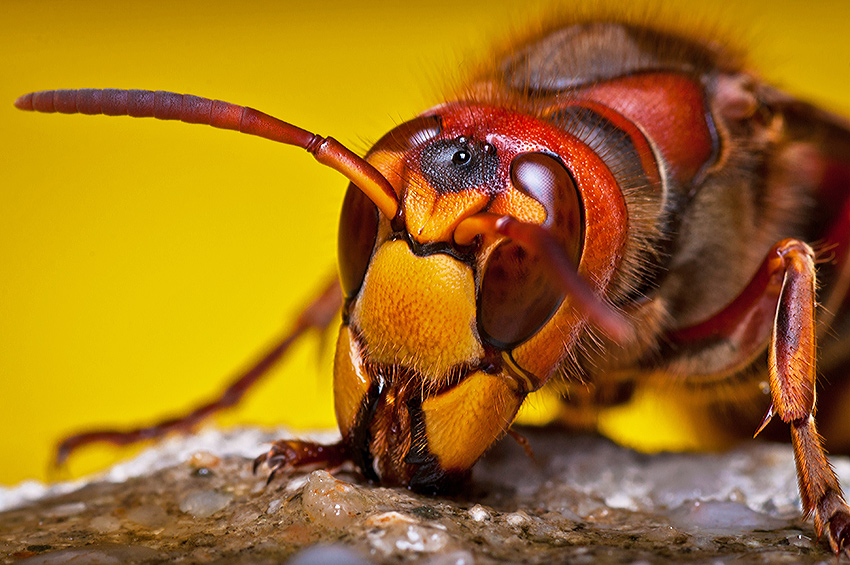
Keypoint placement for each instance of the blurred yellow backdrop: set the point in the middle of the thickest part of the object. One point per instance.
(145, 262)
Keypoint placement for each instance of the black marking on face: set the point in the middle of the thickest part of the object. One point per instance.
(455, 165)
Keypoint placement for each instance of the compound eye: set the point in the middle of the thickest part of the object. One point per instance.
(358, 230)
(408, 135)
(546, 179)
(358, 224)
(518, 293)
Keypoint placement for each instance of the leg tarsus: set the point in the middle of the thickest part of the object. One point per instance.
(839, 532)
(290, 455)
(819, 489)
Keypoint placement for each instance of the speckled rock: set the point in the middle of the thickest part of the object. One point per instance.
(584, 501)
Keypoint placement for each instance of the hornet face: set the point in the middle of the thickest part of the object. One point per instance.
(443, 338)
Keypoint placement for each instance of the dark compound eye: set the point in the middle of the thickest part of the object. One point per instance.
(358, 226)
(408, 135)
(518, 293)
(358, 229)
(544, 178)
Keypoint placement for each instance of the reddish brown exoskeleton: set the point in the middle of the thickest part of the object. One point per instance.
(611, 205)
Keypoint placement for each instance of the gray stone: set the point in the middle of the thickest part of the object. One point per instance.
(585, 501)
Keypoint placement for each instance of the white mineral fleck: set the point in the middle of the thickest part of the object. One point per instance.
(408, 538)
(66, 510)
(517, 519)
(331, 502)
(799, 540)
(105, 524)
(148, 515)
(203, 503)
(294, 483)
(389, 518)
(274, 506)
(479, 513)
(621, 500)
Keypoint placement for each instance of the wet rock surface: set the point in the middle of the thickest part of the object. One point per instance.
(584, 500)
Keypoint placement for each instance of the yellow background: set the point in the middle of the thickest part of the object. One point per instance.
(143, 262)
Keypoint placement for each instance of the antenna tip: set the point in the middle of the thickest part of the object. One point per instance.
(24, 102)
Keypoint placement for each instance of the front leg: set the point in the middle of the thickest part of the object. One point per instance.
(288, 455)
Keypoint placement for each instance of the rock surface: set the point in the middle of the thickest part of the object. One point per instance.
(584, 500)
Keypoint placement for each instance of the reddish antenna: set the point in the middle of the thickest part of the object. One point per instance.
(197, 110)
(536, 237)
(327, 151)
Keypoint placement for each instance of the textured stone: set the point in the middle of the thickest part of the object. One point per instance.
(204, 503)
(584, 501)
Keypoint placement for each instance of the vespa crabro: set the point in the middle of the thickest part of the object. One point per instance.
(610, 207)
